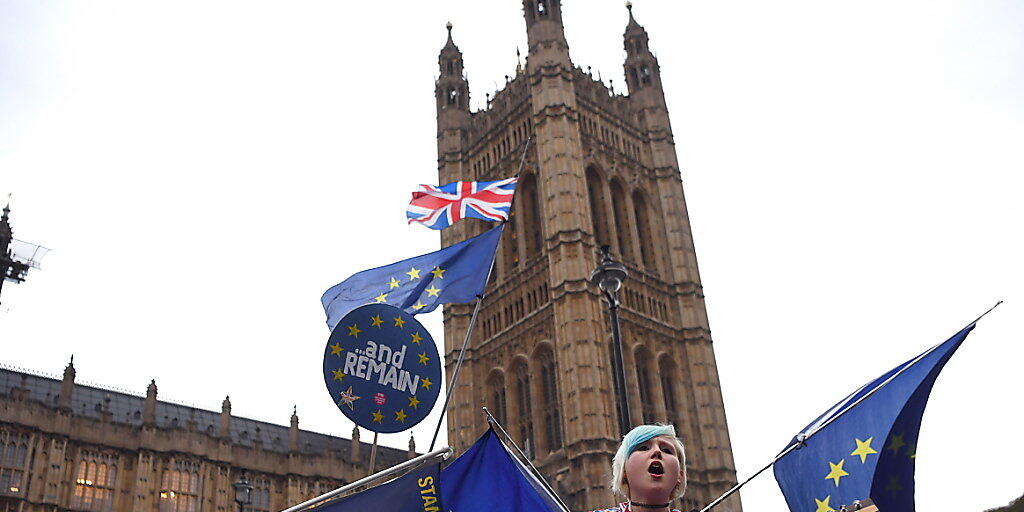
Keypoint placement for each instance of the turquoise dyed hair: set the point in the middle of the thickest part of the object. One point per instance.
(634, 438)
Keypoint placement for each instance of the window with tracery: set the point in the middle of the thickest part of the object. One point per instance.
(532, 222)
(180, 487)
(623, 231)
(522, 385)
(260, 495)
(95, 481)
(496, 395)
(13, 461)
(643, 384)
(598, 217)
(643, 229)
(551, 406)
(668, 376)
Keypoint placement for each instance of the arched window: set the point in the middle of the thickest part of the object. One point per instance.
(642, 362)
(95, 482)
(529, 206)
(668, 375)
(510, 243)
(623, 233)
(260, 495)
(643, 229)
(13, 455)
(549, 393)
(598, 216)
(496, 395)
(180, 488)
(521, 374)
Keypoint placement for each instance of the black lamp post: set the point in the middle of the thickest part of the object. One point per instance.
(243, 492)
(608, 276)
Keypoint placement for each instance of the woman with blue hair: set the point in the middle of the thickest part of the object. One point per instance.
(648, 470)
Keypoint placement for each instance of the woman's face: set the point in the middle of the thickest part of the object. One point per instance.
(652, 471)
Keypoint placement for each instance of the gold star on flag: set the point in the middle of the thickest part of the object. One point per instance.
(375, 321)
(353, 330)
(438, 272)
(399, 322)
(413, 273)
(433, 291)
(895, 443)
(338, 374)
(423, 358)
(864, 449)
(425, 382)
(419, 306)
(393, 283)
(401, 415)
(378, 417)
(381, 299)
(836, 472)
(823, 505)
(912, 451)
(416, 338)
(336, 349)
(414, 402)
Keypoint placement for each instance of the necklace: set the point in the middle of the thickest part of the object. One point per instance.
(648, 505)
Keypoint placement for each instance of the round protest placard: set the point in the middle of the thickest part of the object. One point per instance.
(382, 368)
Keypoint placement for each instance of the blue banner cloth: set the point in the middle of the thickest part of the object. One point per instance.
(487, 477)
(418, 285)
(418, 491)
(868, 452)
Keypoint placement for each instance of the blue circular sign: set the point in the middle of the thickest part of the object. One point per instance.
(382, 368)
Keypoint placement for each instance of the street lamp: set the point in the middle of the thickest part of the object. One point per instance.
(243, 492)
(608, 276)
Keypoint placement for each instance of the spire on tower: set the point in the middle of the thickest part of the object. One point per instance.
(452, 89)
(641, 66)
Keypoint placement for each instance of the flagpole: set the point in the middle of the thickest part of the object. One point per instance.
(476, 310)
(533, 469)
(373, 452)
(801, 439)
(443, 453)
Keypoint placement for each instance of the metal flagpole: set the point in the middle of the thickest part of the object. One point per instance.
(443, 453)
(802, 438)
(522, 456)
(472, 318)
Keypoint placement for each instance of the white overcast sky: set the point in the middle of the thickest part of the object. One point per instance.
(204, 170)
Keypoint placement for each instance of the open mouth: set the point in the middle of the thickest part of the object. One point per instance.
(656, 469)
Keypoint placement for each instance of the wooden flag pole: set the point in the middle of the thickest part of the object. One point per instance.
(373, 453)
(472, 318)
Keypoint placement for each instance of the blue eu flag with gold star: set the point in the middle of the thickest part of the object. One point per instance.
(866, 451)
(418, 285)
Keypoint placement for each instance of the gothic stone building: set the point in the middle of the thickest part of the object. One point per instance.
(69, 446)
(600, 168)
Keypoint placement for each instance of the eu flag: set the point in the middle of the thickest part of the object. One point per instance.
(487, 477)
(866, 451)
(418, 491)
(418, 285)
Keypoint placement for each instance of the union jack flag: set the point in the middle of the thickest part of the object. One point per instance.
(438, 207)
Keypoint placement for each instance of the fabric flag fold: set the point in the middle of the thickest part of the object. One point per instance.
(438, 207)
(457, 273)
(869, 452)
(417, 491)
(488, 477)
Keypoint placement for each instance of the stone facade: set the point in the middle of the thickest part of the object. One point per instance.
(600, 168)
(67, 446)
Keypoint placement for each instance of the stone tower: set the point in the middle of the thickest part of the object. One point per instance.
(600, 168)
